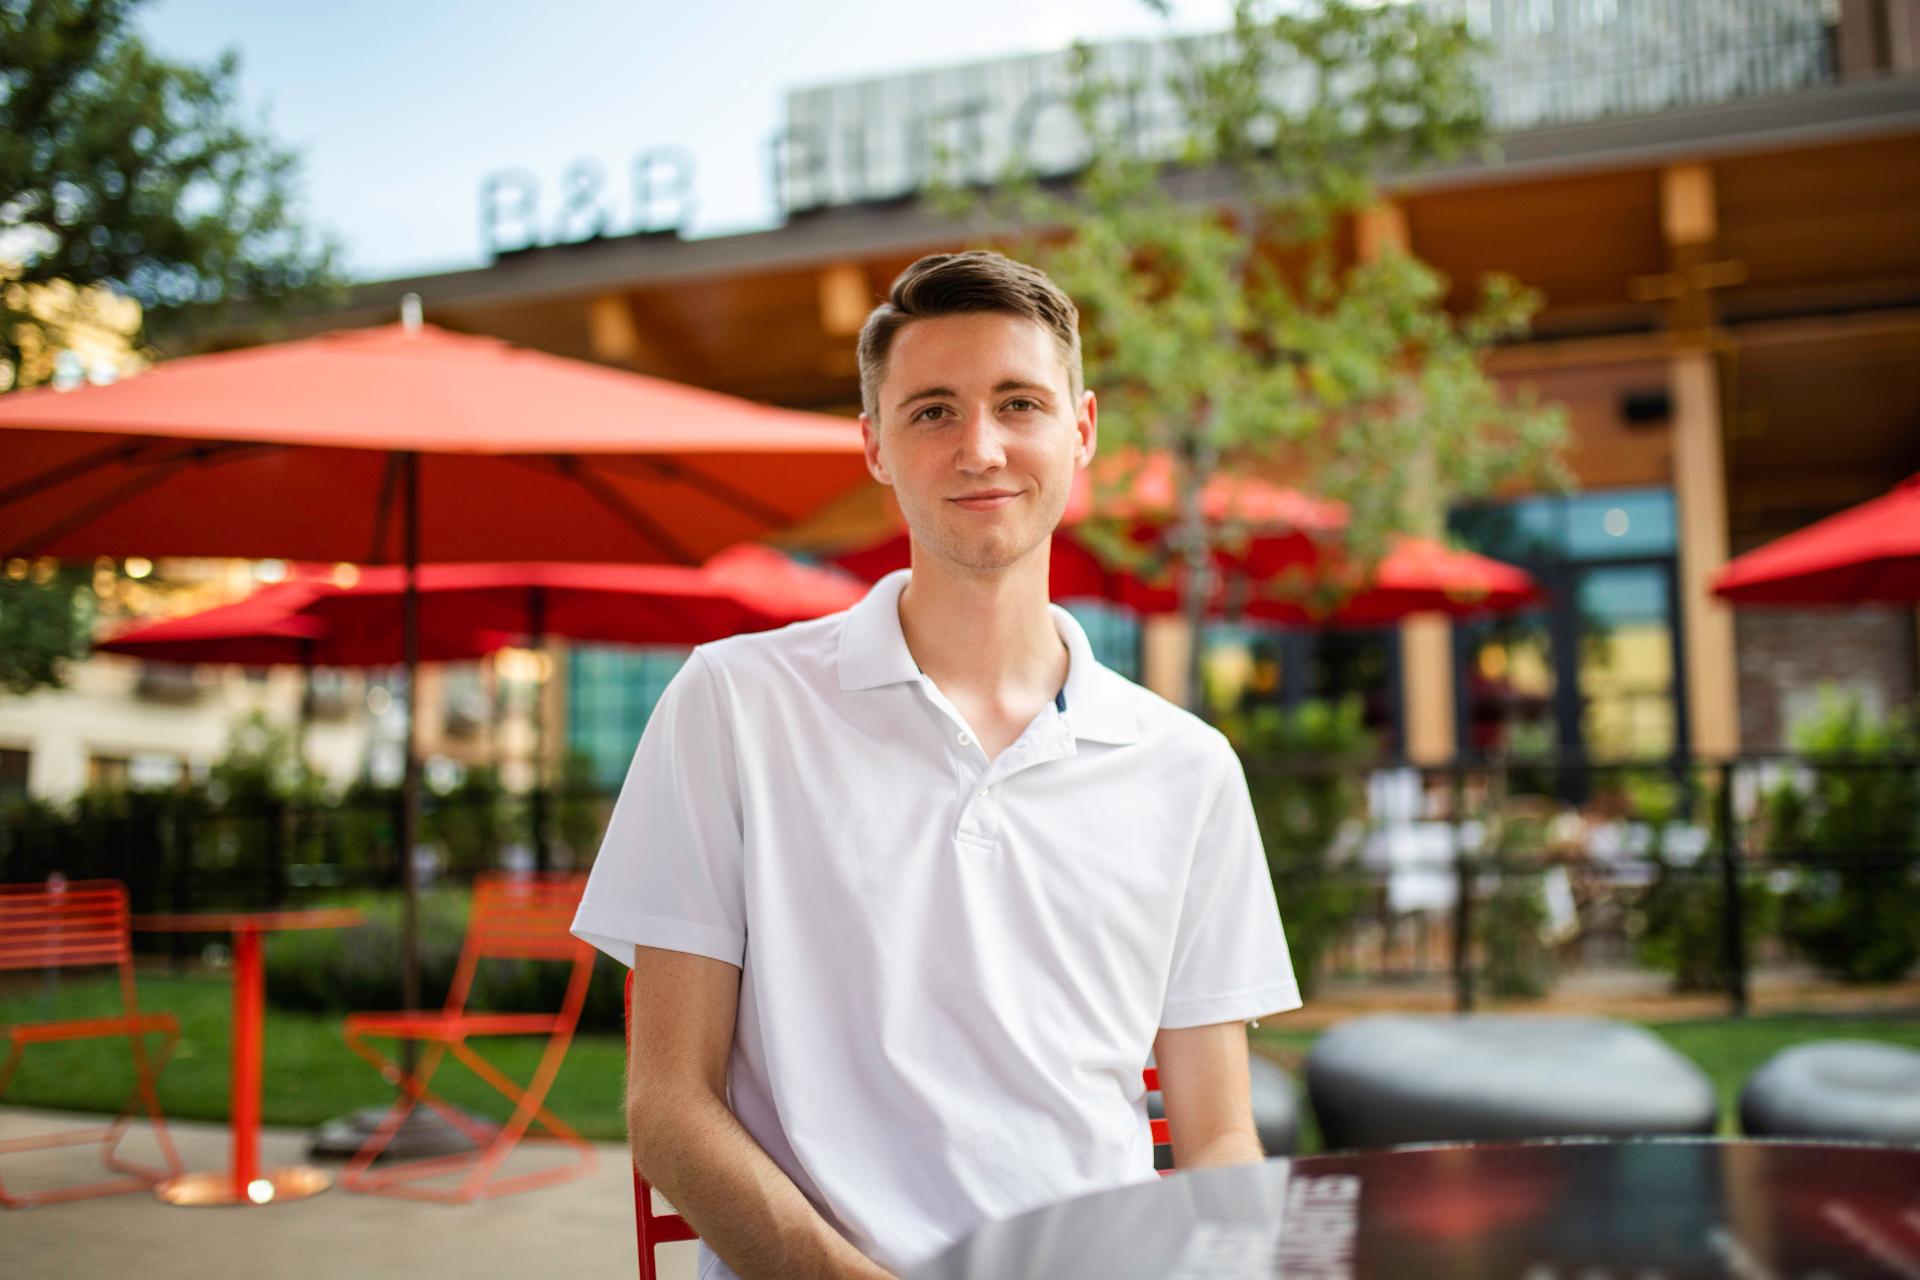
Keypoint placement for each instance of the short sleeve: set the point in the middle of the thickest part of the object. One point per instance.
(1230, 960)
(669, 872)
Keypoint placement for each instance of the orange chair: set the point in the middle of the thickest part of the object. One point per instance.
(514, 917)
(84, 923)
(656, 1229)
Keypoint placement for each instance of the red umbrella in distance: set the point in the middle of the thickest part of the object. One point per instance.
(1869, 554)
(742, 589)
(412, 444)
(1417, 575)
(268, 629)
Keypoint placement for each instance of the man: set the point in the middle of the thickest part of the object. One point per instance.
(912, 891)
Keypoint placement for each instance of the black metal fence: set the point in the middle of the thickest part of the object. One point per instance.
(1503, 874)
(1498, 875)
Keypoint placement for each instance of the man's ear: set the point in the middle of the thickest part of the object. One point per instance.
(870, 441)
(1087, 428)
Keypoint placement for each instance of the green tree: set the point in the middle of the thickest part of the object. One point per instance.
(122, 169)
(46, 621)
(1222, 326)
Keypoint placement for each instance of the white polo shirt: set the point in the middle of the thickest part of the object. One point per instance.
(952, 969)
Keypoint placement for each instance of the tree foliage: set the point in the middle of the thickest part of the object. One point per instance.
(1226, 324)
(123, 169)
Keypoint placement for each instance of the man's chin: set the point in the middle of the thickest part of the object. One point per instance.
(981, 554)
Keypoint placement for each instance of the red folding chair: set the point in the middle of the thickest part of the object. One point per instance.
(514, 917)
(61, 925)
(656, 1229)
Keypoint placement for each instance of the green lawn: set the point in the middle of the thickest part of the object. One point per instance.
(311, 1075)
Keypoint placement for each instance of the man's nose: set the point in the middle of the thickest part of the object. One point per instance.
(981, 448)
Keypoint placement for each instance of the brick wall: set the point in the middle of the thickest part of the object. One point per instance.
(1784, 655)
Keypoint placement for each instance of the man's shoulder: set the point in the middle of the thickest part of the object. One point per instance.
(806, 651)
(1166, 726)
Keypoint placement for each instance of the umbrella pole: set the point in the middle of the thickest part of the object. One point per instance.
(537, 636)
(410, 780)
(306, 707)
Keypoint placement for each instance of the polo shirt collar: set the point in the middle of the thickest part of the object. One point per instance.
(873, 653)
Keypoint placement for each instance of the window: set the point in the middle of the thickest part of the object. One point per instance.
(14, 767)
(1598, 670)
(1112, 632)
(611, 691)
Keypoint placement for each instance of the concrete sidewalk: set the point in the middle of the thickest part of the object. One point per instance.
(580, 1229)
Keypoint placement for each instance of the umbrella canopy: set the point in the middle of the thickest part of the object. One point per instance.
(1869, 554)
(297, 450)
(469, 611)
(742, 589)
(406, 443)
(268, 629)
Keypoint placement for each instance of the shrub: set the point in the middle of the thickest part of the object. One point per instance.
(339, 971)
(1855, 912)
(1679, 925)
(1305, 774)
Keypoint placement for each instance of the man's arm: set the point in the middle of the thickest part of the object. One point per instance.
(1205, 1086)
(687, 1142)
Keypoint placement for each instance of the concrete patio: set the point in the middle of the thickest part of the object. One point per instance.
(582, 1228)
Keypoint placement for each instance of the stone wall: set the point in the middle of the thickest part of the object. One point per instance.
(1785, 655)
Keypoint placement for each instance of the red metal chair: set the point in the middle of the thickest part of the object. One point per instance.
(656, 1229)
(513, 917)
(61, 925)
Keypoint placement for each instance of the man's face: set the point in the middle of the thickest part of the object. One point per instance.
(979, 436)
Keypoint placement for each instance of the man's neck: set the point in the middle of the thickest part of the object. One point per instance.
(984, 635)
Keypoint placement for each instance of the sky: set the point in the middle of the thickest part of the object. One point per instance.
(400, 109)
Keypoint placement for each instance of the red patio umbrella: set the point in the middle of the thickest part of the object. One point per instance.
(1869, 554)
(745, 588)
(470, 610)
(406, 443)
(269, 629)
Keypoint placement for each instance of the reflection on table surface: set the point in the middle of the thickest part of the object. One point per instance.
(1534, 1211)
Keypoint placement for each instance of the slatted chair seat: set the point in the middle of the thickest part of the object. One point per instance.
(74, 925)
(452, 1026)
(513, 917)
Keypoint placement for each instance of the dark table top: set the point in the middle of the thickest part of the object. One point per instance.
(1575, 1210)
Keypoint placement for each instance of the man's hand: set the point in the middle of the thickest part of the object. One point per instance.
(688, 1143)
(1204, 1084)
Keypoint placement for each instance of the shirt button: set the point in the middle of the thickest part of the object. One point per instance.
(966, 740)
(986, 792)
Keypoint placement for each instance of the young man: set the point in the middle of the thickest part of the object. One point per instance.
(912, 891)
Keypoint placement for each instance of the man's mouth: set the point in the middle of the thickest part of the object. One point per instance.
(985, 500)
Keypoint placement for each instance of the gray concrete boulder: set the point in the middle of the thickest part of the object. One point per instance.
(1392, 1079)
(1858, 1089)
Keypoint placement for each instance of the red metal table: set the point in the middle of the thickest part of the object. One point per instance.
(245, 1183)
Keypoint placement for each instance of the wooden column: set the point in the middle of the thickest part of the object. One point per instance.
(1426, 640)
(1700, 494)
(1689, 224)
(1164, 642)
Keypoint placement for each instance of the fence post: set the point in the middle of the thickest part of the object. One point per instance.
(276, 812)
(1733, 903)
(1462, 899)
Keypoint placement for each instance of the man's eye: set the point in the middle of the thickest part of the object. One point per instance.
(1023, 404)
(930, 409)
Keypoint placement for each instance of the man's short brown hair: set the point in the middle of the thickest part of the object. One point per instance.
(951, 284)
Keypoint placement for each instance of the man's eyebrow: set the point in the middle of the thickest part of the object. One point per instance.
(1004, 385)
(927, 394)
